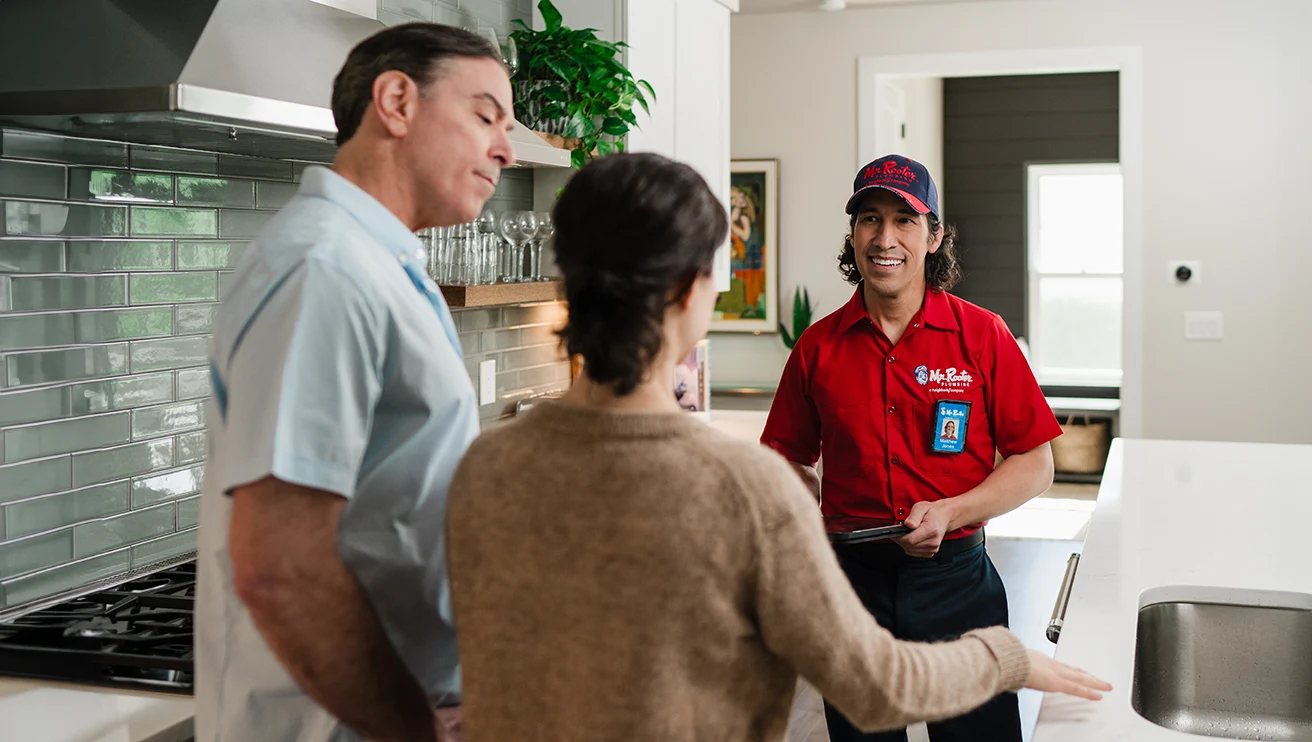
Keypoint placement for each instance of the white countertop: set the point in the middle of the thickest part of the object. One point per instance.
(50, 712)
(1213, 517)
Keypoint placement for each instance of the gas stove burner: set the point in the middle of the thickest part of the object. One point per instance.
(134, 635)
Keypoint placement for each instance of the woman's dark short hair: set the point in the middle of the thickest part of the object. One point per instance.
(942, 268)
(633, 232)
(418, 49)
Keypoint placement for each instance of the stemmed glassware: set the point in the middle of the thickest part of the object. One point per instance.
(517, 227)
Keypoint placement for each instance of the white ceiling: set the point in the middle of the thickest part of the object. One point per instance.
(787, 6)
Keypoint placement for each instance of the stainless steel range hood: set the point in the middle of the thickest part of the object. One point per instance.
(250, 77)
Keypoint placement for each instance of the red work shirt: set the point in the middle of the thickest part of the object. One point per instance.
(871, 406)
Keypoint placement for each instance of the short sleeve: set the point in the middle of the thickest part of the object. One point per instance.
(1020, 415)
(302, 385)
(793, 427)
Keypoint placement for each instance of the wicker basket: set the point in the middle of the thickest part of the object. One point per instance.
(1083, 445)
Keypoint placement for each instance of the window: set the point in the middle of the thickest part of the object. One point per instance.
(1076, 262)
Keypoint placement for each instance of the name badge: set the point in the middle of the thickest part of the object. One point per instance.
(950, 420)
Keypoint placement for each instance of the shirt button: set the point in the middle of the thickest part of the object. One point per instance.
(916, 325)
(891, 359)
(901, 512)
(896, 461)
(892, 410)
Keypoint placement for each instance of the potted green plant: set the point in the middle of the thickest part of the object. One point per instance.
(572, 84)
(801, 317)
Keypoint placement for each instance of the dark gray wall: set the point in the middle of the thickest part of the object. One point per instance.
(992, 127)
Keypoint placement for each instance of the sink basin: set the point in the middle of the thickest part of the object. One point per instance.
(1225, 670)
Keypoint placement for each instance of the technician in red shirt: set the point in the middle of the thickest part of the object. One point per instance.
(907, 391)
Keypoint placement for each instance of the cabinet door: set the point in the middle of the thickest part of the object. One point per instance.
(701, 112)
(649, 32)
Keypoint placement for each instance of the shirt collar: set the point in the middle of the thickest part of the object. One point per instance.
(377, 220)
(934, 312)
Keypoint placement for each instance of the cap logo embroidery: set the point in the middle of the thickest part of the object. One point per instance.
(890, 169)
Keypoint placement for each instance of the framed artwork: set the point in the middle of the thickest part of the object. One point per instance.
(692, 381)
(751, 304)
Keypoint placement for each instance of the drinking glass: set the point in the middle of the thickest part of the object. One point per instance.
(486, 224)
(544, 232)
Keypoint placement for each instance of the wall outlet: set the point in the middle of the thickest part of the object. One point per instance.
(1202, 326)
(487, 382)
(1184, 271)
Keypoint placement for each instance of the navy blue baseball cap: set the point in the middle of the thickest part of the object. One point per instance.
(901, 175)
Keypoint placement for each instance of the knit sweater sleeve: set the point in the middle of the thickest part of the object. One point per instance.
(810, 616)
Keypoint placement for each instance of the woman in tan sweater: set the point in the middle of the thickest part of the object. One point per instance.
(621, 571)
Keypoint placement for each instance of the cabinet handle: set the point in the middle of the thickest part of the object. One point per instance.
(1063, 597)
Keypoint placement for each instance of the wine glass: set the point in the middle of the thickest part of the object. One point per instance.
(545, 229)
(517, 227)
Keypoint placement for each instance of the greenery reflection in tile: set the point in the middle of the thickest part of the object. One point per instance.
(173, 288)
(65, 436)
(34, 146)
(173, 160)
(191, 447)
(35, 478)
(159, 549)
(67, 365)
(17, 557)
(66, 577)
(62, 220)
(121, 530)
(153, 355)
(274, 195)
(31, 256)
(76, 328)
(148, 221)
(122, 394)
(160, 487)
(195, 318)
(86, 184)
(33, 179)
(174, 418)
(188, 512)
(194, 383)
(35, 405)
(212, 255)
(94, 467)
(55, 511)
(242, 223)
(72, 292)
(106, 256)
(216, 192)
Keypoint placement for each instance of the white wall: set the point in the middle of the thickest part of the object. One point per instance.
(922, 114)
(1226, 101)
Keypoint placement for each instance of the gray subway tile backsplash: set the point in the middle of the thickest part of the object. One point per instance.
(112, 256)
(39, 440)
(109, 276)
(32, 179)
(55, 511)
(31, 256)
(99, 184)
(39, 146)
(48, 219)
(174, 222)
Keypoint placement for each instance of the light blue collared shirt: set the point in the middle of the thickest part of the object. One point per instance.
(333, 368)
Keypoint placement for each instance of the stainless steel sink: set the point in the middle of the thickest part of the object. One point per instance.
(1222, 670)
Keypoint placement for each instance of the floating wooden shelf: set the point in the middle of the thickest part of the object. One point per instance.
(493, 294)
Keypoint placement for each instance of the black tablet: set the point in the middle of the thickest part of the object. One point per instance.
(848, 529)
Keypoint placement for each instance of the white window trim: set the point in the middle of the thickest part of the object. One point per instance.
(1034, 339)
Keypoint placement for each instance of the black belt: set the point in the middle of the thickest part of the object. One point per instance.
(946, 550)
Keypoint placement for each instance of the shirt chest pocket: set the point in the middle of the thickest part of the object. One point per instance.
(926, 426)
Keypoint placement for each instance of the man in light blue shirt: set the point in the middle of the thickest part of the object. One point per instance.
(341, 408)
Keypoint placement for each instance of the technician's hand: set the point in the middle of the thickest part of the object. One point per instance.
(928, 522)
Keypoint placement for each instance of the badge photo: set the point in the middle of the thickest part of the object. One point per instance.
(950, 420)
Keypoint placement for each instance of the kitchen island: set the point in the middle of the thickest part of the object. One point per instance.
(52, 712)
(1178, 521)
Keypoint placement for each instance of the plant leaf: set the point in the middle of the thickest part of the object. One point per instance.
(553, 93)
(788, 339)
(649, 89)
(551, 17)
(577, 158)
(605, 148)
(614, 126)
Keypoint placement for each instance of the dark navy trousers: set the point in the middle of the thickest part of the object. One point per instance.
(930, 600)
